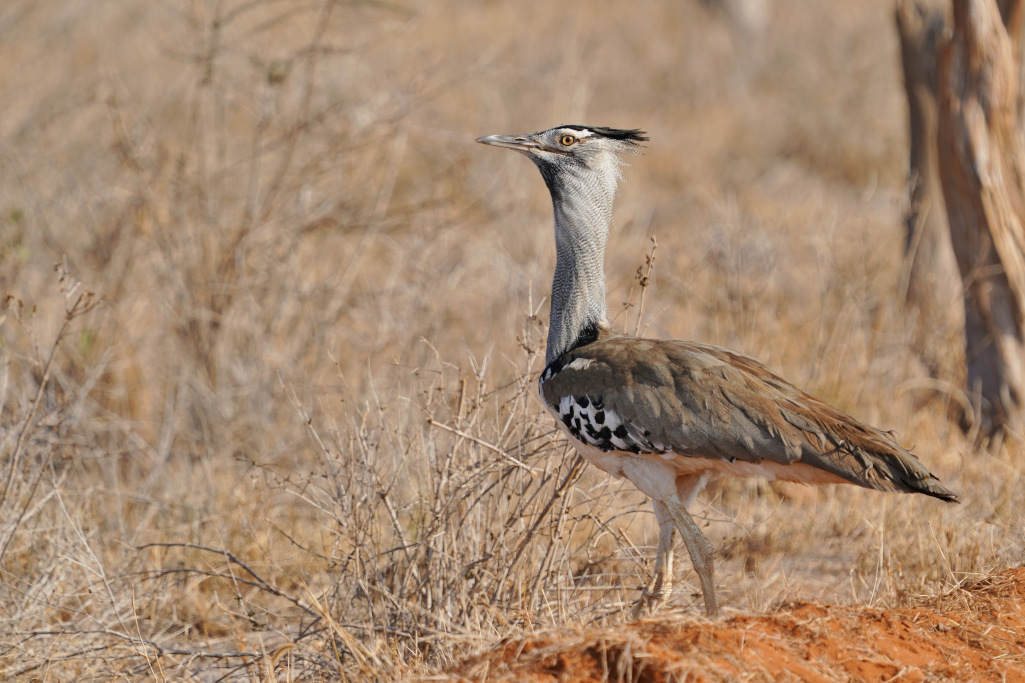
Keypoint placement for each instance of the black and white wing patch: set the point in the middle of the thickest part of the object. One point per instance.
(588, 420)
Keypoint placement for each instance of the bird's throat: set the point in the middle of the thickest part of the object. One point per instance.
(578, 288)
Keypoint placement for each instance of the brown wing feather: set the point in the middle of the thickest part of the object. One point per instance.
(704, 401)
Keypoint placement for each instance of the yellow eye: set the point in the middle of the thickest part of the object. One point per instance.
(567, 140)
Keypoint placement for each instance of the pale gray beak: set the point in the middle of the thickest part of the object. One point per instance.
(520, 143)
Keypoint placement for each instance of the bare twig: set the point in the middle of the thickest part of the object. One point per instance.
(76, 303)
(259, 581)
(644, 279)
(480, 442)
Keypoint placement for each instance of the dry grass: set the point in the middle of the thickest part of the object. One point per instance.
(295, 434)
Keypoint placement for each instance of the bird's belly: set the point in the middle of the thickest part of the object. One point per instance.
(654, 476)
(795, 471)
(607, 461)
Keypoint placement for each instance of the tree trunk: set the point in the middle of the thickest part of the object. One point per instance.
(982, 168)
(933, 296)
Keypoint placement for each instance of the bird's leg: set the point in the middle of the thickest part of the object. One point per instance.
(700, 551)
(656, 593)
(661, 586)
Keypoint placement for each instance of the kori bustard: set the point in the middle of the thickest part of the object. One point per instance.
(669, 415)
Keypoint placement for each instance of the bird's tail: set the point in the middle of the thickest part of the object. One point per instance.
(903, 471)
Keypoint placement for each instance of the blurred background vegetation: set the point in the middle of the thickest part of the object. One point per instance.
(294, 432)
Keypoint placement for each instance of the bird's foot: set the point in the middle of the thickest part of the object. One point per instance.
(653, 598)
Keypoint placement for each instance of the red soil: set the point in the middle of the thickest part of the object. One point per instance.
(974, 633)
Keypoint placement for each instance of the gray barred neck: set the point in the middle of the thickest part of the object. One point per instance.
(583, 214)
(578, 308)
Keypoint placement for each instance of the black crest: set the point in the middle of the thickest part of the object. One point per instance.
(631, 135)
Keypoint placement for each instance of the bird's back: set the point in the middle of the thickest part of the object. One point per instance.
(700, 406)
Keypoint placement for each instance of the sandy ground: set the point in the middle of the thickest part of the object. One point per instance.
(973, 633)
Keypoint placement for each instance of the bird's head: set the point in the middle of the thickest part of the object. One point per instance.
(579, 151)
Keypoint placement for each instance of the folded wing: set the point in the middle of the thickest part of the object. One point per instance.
(684, 400)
